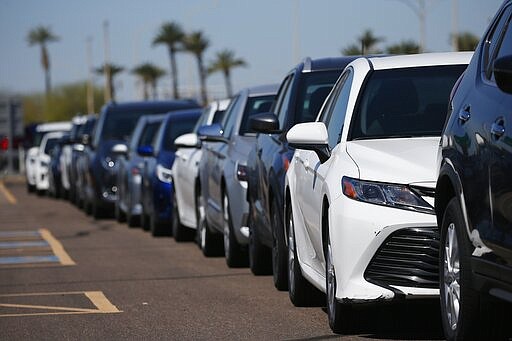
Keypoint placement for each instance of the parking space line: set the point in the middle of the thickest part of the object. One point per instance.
(57, 248)
(7, 194)
(20, 245)
(97, 298)
(28, 259)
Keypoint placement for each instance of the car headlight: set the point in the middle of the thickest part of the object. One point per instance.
(163, 174)
(108, 163)
(393, 195)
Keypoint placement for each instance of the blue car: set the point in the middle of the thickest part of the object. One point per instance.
(130, 168)
(114, 127)
(157, 182)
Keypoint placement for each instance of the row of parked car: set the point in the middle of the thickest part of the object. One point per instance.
(355, 181)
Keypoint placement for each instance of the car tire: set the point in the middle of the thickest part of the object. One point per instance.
(31, 188)
(260, 256)
(158, 228)
(301, 292)
(339, 315)
(465, 313)
(233, 252)
(96, 211)
(279, 250)
(144, 220)
(199, 218)
(180, 232)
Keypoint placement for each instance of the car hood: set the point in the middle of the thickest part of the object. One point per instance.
(403, 161)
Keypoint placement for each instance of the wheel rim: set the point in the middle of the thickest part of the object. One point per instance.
(226, 226)
(291, 253)
(331, 282)
(452, 277)
(200, 221)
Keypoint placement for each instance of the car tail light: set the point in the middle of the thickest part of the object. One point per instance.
(241, 172)
(286, 163)
(135, 171)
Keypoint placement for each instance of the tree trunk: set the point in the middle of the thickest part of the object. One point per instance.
(45, 62)
(174, 73)
(155, 95)
(202, 79)
(229, 88)
(145, 90)
(111, 87)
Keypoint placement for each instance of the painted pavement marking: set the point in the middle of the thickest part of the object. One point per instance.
(7, 194)
(97, 298)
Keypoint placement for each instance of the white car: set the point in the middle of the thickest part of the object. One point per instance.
(359, 192)
(32, 153)
(43, 160)
(185, 172)
(66, 155)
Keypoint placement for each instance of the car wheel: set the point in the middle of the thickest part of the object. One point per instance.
(157, 228)
(339, 314)
(279, 251)
(199, 220)
(181, 233)
(301, 292)
(144, 220)
(30, 188)
(233, 251)
(465, 313)
(260, 257)
(118, 213)
(95, 210)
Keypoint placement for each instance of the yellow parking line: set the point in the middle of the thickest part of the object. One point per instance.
(57, 248)
(82, 310)
(7, 194)
(101, 302)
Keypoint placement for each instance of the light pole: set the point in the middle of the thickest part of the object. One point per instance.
(106, 69)
(90, 88)
(421, 12)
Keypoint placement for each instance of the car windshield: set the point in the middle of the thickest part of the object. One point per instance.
(176, 128)
(38, 137)
(409, 102)
(255, 105)
(313, 90)
(119, 124)
(148, 134)
(50, 145)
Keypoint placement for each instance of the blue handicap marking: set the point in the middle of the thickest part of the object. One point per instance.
(29, 259)
(17, 245)
(10, 234)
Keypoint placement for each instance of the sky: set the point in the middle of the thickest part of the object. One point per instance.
(270, 35)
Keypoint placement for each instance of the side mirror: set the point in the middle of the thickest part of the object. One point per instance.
(266, 123)
(212, 133)
(145, 151)
(503, 73)
(120, 149)
(86, 139)
(189, 140)
(310, 136)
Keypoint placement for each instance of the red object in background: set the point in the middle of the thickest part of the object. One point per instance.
(4, 143)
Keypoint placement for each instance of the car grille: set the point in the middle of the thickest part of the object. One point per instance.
(408, 257)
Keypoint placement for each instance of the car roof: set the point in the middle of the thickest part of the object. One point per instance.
(164, 105)
(152, 118)
(324, 64)
(422, 59)
(53, 126)
(259, 90)
(180, 114)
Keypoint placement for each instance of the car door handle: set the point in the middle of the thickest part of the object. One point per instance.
(498, 129)
(465, 114)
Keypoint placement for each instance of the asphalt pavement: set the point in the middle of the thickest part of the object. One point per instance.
(65, 276)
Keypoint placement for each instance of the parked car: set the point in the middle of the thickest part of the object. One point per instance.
(157, 181)
(31, 160)
(43, 160)
(222, 175)
(300, 96)
(186, 173)
(131, 167)
(473, 197)
(68, 178)
(79, 164)
(55, 188)
(114, 127)
(359, 191)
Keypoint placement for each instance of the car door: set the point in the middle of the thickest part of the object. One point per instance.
(314, 181)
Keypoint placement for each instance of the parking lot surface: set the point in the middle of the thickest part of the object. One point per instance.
(65, 276)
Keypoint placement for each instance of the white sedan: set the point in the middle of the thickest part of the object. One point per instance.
(43, 160)
(360, 188)
(185, 172)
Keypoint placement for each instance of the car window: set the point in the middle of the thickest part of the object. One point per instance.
(50, 145)
(176, 128)
(231, 115)
(405, 102)
(148, 133)
(492, 41)
(255, 105)
(283, 100)
(313, 89)
(505, 48)
(336, 115)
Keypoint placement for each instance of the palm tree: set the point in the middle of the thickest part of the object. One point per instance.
(405, 47)
(172, 35)
(467, 41)
(224, 61)
(351, 50)
(41, 36)
(149, 74)
(365, 44)
(196, 43)
(114, 70)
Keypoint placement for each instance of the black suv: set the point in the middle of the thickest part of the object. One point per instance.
(114, 127)
(473, 197)
(300, 96)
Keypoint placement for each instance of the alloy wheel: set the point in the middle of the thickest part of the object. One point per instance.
(291, 254)
(225, 207)
(331, 283)
(452, 277)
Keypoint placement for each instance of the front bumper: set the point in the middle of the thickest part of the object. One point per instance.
(382, 252)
